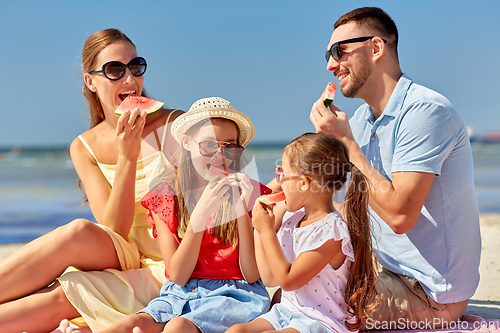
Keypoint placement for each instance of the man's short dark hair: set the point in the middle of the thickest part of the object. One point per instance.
(374, 18)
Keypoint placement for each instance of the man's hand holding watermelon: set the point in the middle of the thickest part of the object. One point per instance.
(330, 120)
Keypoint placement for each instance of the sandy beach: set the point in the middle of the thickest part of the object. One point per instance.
(486, 300)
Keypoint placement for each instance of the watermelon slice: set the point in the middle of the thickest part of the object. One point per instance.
(143, 103)
(272, 198)
(329, 93)
(215, 171)
(259, 189)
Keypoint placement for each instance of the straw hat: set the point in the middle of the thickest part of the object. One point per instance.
(213, 107)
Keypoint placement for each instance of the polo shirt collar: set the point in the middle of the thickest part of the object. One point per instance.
(396, 101)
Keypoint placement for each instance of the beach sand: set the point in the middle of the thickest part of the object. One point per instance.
(486, 300)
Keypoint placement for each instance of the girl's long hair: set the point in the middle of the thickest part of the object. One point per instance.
(325, 159)
(224, 225)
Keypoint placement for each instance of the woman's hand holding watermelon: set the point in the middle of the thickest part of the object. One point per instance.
(129, 132)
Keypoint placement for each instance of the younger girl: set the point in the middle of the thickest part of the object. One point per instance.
(204, 230)
(322, 263)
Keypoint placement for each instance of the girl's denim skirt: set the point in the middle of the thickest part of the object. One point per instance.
(212, 305)
(280, 317)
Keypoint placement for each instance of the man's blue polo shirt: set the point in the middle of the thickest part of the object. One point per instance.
(420, 131)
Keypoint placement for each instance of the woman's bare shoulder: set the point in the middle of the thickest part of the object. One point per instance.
(77, 148)
(85, 144)
(175, 113)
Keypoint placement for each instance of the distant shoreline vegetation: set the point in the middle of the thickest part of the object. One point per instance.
(493, 137)
(64, 148)
(16, 149)
(259, 145)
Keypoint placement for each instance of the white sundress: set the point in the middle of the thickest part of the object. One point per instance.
(322, 298)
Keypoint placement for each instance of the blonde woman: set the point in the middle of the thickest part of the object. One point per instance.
(115, 265)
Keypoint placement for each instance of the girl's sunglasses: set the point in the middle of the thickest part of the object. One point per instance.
(336, 52)
(231, 151)
(280, 176)
(114, 70)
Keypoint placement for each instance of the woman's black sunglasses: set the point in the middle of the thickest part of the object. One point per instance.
(114, 70)
(336, 52)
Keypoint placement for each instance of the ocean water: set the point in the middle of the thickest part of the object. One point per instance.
(39, 191)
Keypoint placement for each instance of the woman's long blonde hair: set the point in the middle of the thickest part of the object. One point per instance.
(325, 159)
(93, 46)
(224, 223)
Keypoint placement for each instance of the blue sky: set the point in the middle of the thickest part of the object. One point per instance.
(265, 57)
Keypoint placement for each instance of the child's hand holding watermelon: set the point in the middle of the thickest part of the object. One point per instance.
(263, 218)
(257, 189)
(242, 189)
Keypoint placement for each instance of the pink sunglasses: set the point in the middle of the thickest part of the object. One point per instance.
(280, 175)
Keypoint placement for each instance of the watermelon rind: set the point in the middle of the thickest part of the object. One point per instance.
(329, 93)
(265, 200)
(132, 102)
(270, 199)
(214, 172)
(208, 177)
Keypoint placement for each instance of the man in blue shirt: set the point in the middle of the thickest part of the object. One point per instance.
(413, 146)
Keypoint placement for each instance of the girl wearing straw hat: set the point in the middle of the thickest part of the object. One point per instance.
(204, 229)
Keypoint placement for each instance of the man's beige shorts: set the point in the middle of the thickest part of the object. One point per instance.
(403, 304)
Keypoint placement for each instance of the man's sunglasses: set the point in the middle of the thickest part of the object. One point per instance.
(231, 151)
(114, 70)
(336, 52)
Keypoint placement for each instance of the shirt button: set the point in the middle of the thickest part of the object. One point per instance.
(373, 137)
(193, 289)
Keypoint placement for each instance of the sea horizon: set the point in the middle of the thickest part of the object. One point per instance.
(39, 189)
